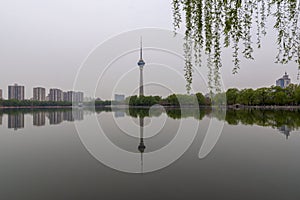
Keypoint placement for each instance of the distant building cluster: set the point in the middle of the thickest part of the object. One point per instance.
(58, 95)
(284, 81)
(73, 96)
(119, 97)
(39, 94)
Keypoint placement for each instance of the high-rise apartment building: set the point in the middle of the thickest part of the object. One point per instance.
(16, 92)
(284, 81)
(39, 94)
(68, 96)
(56, 95)
(78, 97)
(72, 96)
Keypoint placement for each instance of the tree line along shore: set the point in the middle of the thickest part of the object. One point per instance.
(265, 97)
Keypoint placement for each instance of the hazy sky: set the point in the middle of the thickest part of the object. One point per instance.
(43, 43)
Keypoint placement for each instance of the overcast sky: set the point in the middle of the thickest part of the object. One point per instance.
(43, 43)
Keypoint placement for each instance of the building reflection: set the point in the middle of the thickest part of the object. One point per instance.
(68, 116)
(119, 113)
(78, 114)
(16, 121)
(39, 119)
(285, 130)
(72, 115)
(1, 119)
(55, 117)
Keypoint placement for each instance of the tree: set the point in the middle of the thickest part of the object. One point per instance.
(172, 100)
(280, 98)
(207, 21)
(232, 95)
(201, 99)
(246, 97)
(290, 91)
(260, 96)
(297, 94)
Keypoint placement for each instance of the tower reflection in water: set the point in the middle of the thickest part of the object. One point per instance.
(285, 130)
(141, 146)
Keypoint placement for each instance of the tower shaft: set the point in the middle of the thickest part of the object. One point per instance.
(141, 82)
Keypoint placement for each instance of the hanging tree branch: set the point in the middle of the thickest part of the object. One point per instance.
(207, 21)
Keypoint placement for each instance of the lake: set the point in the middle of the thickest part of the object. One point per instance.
(61, 154)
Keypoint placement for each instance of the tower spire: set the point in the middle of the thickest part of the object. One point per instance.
(141, 48)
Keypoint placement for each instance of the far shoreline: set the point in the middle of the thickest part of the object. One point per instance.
(231, 107)
(33, 107)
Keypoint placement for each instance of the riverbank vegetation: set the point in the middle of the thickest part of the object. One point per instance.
(265, 96)
(32, 103)
(172, 100)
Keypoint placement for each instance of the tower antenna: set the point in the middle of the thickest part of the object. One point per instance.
(141, 48)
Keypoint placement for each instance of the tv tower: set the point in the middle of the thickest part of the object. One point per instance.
(141, 64)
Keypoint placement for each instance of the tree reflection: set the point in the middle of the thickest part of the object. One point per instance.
(283, 120)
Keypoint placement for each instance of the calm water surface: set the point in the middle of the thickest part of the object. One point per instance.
(256, 157)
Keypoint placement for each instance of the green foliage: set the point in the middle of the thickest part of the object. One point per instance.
(174, 113)
(186, 100)
(297, 95)
(219, 99)
(206, 21)
(143, 100)
(181, 99)
(27, 103)
(246, 97)
(232, 95)
(201, 99)
(99, 103)
(270, 118)
(265, 96)
(172, 100)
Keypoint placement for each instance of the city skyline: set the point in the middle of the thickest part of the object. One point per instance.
(17, 91)
(78, 96)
